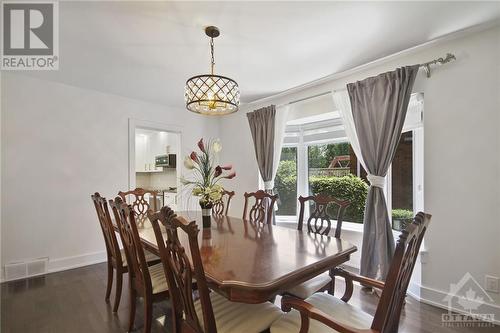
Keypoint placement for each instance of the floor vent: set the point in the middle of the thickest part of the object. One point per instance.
(16, 271)
(38, 266)
(20, 270)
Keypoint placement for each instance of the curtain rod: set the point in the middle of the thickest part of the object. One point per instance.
(426, 66)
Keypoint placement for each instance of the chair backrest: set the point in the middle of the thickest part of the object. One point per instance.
(138, 201)
(262, 209)
(320, 221)
(129, 235)
(179, 274)
(112, 247)
(221, 207)
(393, 296)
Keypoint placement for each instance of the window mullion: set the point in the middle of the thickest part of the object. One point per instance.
(302, 170)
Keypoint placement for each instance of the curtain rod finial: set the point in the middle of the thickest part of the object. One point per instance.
(427, 66)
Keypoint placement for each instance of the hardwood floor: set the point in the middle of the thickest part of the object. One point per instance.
(73, 301)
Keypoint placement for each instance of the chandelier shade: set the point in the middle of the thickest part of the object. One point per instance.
(212, 94)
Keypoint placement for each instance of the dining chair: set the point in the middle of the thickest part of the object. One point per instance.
(262, 209)
(145, 281)
(139, 203)
(319, 222)
(222, 206)
(212, 312)
(323, 312)
(115, 257)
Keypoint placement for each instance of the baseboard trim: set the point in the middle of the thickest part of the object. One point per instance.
(435, 298)
(66, 263)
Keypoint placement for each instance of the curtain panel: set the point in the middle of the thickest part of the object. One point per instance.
(378, 107)
(267, 126)
(262, 127)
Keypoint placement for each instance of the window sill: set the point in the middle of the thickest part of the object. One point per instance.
(347, 226)
(356, 227)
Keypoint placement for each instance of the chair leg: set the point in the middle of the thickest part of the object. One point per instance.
(133, 301)
(148, 314)
(331, 287)
(110, 281)
(118, 293)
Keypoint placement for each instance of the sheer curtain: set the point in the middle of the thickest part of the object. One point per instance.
(279, 135)
(343, 103)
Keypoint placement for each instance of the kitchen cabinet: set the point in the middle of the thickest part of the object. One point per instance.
(147, 147)
(141, 153)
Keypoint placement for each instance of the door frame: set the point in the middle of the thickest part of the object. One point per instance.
(155, 126)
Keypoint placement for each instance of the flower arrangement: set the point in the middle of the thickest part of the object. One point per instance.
(205, 175)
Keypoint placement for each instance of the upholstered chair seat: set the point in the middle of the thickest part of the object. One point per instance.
(158, 280)
(150, 257)
(233, 317)
(336, 308)
(306, 289)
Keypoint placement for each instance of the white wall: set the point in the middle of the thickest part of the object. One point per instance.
(60, 144)
(462, 154)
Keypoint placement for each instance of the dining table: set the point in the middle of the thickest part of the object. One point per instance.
(252, 262)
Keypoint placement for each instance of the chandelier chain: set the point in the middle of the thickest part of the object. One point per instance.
(212, 52)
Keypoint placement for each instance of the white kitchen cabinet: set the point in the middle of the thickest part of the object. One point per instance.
(140, 153)
(173, 143)
(148, 145)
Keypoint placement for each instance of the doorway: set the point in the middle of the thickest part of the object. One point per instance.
(154, 156)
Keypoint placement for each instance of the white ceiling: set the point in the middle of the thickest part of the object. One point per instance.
(147, 50)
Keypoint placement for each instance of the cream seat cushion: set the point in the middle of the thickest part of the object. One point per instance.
(149, 256)
(233, 317)
(306, 289)
(158, 280)
(334, 307)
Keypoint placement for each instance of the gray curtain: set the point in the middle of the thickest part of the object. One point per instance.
(262, 126)
(379, 107)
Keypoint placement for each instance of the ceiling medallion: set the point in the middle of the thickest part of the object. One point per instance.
(212, 94)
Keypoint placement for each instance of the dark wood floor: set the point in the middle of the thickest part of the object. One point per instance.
(73, 301)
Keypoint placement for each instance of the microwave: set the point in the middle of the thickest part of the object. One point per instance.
(165, 161)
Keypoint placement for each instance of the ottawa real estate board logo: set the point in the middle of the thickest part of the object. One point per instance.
(30, 35)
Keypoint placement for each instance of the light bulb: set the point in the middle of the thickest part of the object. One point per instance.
(211, 100)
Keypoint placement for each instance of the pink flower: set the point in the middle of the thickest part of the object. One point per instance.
(218, 171)
(201, 145)
(231, 175)
(194, 157)
(226, 167)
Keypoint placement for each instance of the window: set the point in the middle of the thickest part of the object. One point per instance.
(330, 171)
(402, 182)
(317, 158)
(285, 183)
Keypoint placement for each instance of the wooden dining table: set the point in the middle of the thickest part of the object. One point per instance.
(253, 262)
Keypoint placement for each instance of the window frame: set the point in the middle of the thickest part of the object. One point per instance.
(303, 174)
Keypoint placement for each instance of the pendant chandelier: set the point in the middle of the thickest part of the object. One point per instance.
(212, 94)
